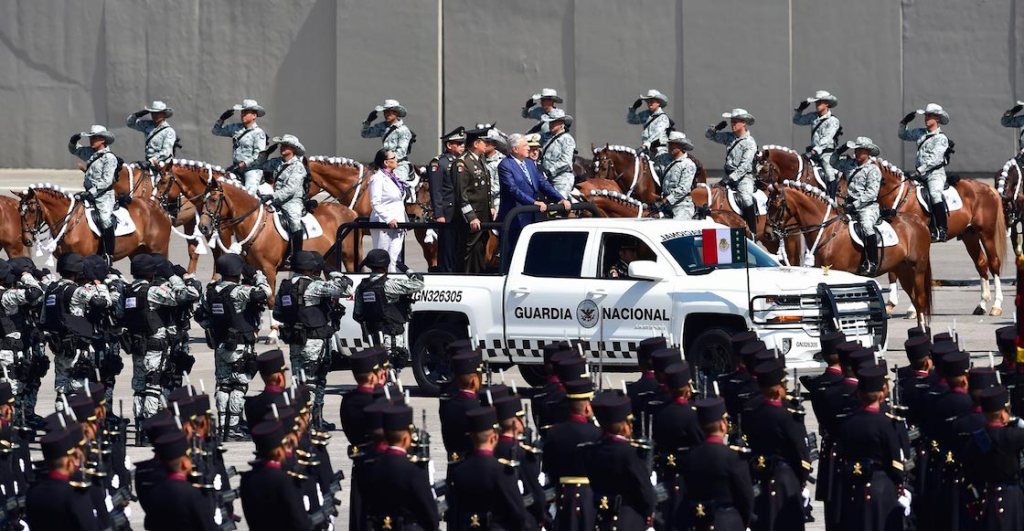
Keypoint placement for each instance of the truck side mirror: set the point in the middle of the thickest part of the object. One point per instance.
(647, 270)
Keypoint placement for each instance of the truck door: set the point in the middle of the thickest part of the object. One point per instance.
(631, 309)
(543, 293)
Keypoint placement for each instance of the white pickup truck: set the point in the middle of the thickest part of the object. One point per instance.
(559, 286)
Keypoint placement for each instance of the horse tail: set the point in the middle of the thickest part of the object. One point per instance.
(1000, 229)
(928, 289)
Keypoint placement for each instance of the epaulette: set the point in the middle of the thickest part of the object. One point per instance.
(531, 449)
(895, 417)
(297, 475)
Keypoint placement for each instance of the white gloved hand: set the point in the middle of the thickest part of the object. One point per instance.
(905, 498)
(807, 496)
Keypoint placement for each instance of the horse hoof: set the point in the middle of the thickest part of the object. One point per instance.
(995, 312)
(911, 314)
(979, 310)
(889, 309)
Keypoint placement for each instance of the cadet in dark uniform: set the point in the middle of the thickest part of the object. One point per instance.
(642, 390)
(872, 475)
(176, 504)
(661, 360)
(719, 494)
(738, 386)
(675, 431)
(482, 490)
(1010, 371)
(397, 491)
(569, 366)
(816, 387)
(442, 195)
(992, 462)
(563, 463)
(466, 367)
(270, 499)
(53, 502)
(272, 370)
(511, 430)
(780, 461)
(553, 390)
(623, 495)
(355, 421)
(948, 401)
(472, 204)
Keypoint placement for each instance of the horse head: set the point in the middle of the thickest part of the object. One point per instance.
(214, 209)
(766, 168)
(421, 209)
(31, 216)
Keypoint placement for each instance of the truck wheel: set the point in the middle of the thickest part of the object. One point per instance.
(430, 365)
(711, 352)
(533, 374)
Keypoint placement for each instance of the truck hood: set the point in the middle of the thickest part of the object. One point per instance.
(769, 280)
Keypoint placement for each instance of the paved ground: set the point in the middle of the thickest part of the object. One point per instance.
(952, 304)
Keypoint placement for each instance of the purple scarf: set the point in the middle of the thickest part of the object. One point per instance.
(394, 178)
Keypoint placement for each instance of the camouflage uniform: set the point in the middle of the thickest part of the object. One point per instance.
(232, 382)
(931, 159)
(394, 288)
(82, 299)
(556, 160)
(14, 301)
(146, 368)
(99, 179)
(492, 166)
(655, 124)
(864, 182)
(289, 190)
(823, 134)
(160, 139)
(306, 358)
(246, 145)
(677, 184)
(739, 163)
(396, 138)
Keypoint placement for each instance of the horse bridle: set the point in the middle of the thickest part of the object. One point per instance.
(779, 229)
(38, 228)
(216, 222)
(164, 199)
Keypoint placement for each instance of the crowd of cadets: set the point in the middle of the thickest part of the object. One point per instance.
(938, 449)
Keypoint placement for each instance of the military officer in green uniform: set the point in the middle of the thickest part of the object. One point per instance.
(472, 204)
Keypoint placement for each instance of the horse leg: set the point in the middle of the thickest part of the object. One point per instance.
(973, 244)
(188, 224)
(429, 248)
(894, 294)
(908, 278)
(994, 253)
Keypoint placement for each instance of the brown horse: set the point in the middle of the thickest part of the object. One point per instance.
(133, 180)
(979, 223)
(65, 218)
(229, 206)
(11, 237)
(801, 209)
(780, 163)
(1009, 187)
(348, 181)
(633, 173)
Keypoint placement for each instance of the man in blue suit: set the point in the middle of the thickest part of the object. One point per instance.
(523, 184)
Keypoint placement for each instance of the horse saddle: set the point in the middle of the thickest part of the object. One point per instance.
(123, 222)
(311, 227)
(949, 194)
(887, 236)
(760, 202)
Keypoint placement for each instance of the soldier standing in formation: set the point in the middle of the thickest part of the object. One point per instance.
(825, 131)
(394, 134)
(248, 140)
(442, 195)
(739, 160)
(472, 203)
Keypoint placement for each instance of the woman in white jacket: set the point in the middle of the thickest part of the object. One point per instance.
(387, 204)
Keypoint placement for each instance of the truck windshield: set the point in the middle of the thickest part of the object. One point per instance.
(686, 250)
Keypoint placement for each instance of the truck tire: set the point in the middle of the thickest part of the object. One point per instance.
(430, 365)
(533, 374)
(711, 352)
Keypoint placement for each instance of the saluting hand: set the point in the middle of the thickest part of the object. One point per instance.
(908, 118)
(226, 114)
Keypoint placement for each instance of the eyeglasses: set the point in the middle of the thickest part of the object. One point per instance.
(390, 158)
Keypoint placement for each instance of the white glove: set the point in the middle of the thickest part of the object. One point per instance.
(905, 498)
(260, 277)
(807, 496)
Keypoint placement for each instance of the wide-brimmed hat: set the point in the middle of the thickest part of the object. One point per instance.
(99, 130)
(936, 109)
(159, 106)
(739, 114)
(250, 105)
(548, 93)
(391, 105)
(555, 115)
(863, 142)
(678, 137)
(824, 95)
(655, 95)
(290, 140)
(496, 135)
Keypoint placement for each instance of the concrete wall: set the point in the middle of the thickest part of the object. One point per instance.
(319, 66)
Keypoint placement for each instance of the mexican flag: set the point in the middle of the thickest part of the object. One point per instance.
(724, 246)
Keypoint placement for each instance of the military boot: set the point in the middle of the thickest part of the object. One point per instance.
(108, 243)
(750, 216)
(939, 220)
(870, 266)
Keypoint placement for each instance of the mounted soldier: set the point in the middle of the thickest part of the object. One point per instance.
(247, 141)
(161, 139)
(825, 132)
(394, 134)
(101, 167)
(739, 160)
(291, 186)
(933, 152)
(558, 152)
(538, 106)
(863, 182)
(656, 125)
(677, 182)
(1010, 119)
